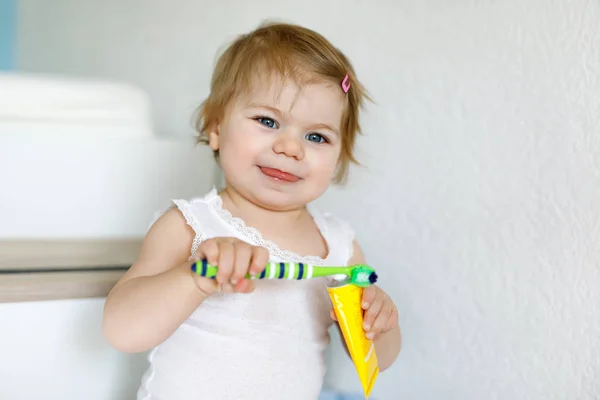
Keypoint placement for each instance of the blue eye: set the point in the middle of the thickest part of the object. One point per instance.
(268, 122)
(315, 137)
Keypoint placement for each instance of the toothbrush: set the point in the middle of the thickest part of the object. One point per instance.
(359, 275)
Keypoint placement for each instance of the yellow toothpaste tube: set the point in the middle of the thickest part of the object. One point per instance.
(346, 299)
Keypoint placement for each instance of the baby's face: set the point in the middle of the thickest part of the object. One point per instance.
(279, 146)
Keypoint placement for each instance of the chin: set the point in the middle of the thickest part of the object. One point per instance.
(284, 199)
(279, 201)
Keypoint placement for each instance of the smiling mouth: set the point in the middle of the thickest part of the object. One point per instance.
(279, 175)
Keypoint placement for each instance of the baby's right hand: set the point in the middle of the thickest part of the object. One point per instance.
(235, 259)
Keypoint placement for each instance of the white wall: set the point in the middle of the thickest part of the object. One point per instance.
(55, 350)
(482, 180)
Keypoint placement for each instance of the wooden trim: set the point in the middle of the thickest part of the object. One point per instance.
(67, 254)
(36, 270)
(19, 287)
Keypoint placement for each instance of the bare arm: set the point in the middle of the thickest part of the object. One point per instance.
(157, 293)
(388, 344)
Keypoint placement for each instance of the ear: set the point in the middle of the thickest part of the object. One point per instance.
(213, 140)
(213, 137)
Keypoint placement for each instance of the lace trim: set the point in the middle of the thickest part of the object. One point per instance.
(188, 214)
(257, 237)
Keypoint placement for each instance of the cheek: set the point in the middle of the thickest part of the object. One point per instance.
(324, 165)
(239, 139)
(236, 160)
(240, 146)
(233, 146)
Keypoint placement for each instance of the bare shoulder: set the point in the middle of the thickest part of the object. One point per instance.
(166, 245)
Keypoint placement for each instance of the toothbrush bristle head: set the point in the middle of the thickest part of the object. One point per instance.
(363, 276)
(373, 277)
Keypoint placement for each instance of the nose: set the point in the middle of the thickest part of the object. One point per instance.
(288, 145)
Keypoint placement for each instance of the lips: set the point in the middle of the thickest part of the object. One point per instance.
(279, 175)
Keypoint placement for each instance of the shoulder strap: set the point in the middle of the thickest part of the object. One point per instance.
(340, 234)
(191, 217)
(197, 215)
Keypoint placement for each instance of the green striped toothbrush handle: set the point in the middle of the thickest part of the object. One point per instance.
(276, 270)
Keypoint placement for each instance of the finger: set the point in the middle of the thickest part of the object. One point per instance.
(380, 322)
(332, 314)
(243, 253)
(205, 285)
(260, 258)
(393, 321)
(372, 312)
(226, 261)
(244, 286)
(209, 250)
(227, 288)
(368, 296)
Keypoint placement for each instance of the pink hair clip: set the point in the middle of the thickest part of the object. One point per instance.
(345, 86)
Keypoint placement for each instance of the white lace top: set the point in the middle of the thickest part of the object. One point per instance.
(265, 345)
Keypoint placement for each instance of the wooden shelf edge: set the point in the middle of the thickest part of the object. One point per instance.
(67, 253)
(39, 286)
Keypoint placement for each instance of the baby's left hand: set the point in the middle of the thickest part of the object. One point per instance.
(381, 314)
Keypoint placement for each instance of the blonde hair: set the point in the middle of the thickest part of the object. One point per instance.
(289, 52)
